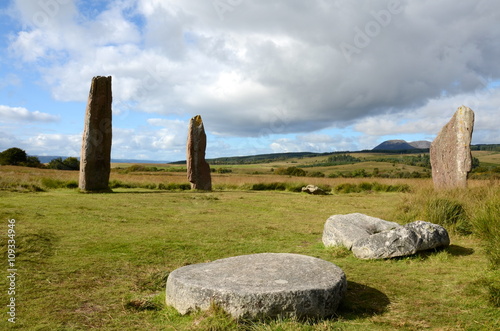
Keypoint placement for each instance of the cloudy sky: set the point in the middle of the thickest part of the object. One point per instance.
(265, 75)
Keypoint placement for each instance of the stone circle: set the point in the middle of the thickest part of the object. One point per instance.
(259, 286)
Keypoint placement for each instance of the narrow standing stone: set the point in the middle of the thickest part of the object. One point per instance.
(450, 153)
(95, 160)
(198, 170)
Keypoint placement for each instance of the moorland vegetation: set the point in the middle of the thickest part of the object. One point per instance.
(101, 260)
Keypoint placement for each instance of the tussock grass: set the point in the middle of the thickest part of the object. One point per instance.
(473, 211)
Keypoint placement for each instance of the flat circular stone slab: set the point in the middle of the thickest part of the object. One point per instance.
(259, 285)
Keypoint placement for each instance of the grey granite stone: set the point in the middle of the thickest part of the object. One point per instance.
(259, 285)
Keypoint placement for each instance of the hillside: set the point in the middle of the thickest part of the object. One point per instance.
(402, 145)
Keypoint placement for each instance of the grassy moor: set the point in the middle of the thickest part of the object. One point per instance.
(101, 261)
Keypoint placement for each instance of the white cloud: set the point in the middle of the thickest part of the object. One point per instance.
(7, 140)
(286, 74)
(20, 114)
(319, 143)
(167, 143)
(46, 144)
(430, 118)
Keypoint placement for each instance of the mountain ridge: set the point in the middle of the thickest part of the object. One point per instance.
(399, 144)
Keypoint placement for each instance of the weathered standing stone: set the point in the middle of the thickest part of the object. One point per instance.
(450, 153)
(259, 286)
(95, 159)
(198, 170)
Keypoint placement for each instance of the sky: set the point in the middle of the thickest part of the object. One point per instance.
(265, 76)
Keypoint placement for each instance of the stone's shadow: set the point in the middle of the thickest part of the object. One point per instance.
(455, 250)
(141, 192)
(362, 301)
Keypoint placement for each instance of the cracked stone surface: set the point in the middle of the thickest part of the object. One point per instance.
(259, 285)
(373, 238)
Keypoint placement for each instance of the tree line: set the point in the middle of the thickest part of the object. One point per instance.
(18, 157)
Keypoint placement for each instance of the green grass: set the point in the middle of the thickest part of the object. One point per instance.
(101, 260)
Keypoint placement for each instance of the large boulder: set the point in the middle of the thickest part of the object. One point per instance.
(344, 230)
(313, 189)
(450, 153)
(259, 286)
(400, 241)
(373, 238)
(429, 235)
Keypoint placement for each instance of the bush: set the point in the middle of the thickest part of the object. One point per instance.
(291, 171)
(136, 168)
(13, 156)
(364, 187)
(174, 186)
(268, 187)
(317, 174)
(70, 163)
(347, 188)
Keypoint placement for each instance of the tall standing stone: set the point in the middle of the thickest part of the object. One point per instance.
(198, 170)
(450, 153)
(95, 160)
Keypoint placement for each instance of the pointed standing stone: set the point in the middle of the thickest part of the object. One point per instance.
(198, 170)
(95, 160)
(450, 153)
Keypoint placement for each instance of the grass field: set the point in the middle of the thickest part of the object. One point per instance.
(100, 261)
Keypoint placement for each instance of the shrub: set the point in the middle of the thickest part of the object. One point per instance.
(70, 163)
(366, 186)
(174, 186)
(136, 168)
(347, 188)
(269, 187)
(295, 187)
(291, 171)
(13, 156)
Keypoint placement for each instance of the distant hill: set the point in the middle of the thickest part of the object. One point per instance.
(421, 144)
(402, 145)
(48, 158)
(260, 158)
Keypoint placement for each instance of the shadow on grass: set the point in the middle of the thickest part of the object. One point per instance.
(455, 250)
(142, 192)
(452, 250)
(362, 301)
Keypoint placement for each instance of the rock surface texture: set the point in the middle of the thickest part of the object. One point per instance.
(95, 159)
(450, 153)
(198, 170)
(314, 190)
(344, 230)
(259, 285)
(373, 238)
